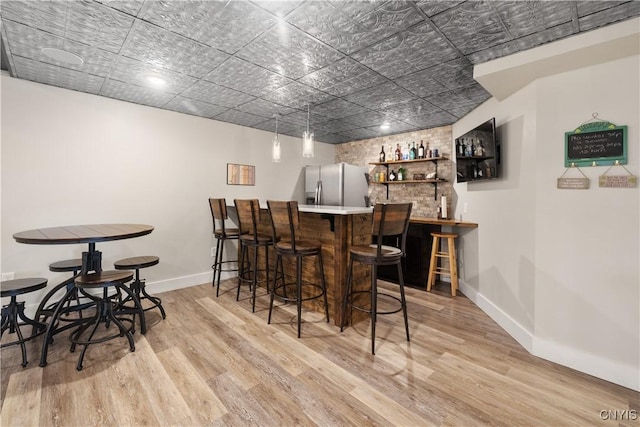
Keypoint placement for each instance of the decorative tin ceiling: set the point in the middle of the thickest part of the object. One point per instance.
(357, 63)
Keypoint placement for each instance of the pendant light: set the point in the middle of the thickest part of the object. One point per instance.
(307, 139)
(275, 148)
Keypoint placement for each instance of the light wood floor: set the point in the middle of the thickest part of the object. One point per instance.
(213, 362)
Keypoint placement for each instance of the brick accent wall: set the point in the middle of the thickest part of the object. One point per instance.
(368, 150)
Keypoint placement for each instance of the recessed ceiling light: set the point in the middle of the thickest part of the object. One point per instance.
(156, 80)
(152, 79)
(62, 55)
(384, 126)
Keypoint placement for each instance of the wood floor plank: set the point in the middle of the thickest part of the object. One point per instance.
(213, 361)
(22, 406)
(205, 405)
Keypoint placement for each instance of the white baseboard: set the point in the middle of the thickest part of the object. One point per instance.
(626, 376)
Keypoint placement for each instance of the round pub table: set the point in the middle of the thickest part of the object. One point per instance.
(91, 262)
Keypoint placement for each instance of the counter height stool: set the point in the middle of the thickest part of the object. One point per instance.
(437, 267)
(108, 310)
(222, 234)
(138, 286)
(13, 312)
(248, 220)
(73, 266)
(388, 220)
(285, 224)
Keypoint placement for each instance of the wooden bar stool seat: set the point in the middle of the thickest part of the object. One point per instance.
(73, 266)
(138, 286)
(251, 240)
(389, 220)
(285, 224)
(107, 310)
(13, 312)
(436, 264)
(222, 234)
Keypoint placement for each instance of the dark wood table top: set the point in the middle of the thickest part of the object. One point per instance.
(82, 233)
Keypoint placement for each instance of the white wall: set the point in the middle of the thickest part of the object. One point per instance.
(559, 268)
(74, 158)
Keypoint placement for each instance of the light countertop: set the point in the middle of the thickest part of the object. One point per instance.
(335, 210)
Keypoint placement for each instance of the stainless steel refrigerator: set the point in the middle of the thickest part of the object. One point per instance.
(336, 185)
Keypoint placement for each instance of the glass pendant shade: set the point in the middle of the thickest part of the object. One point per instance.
(307, 144)
(307, 139)
(275, 147)
(275, 151)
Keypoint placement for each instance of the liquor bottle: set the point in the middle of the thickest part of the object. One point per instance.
(405, 153)
(457, 146)
(398, 152)
(392, 175)
(382, 155)
(461, 149)
(412, 152)
(429, 152)
(421, 151)
(480, 149)
(467, 148)
(473, 149)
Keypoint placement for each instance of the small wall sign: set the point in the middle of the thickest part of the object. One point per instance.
(573, 183)
(618, 181)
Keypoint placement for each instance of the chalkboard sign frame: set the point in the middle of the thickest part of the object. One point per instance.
(601, 145)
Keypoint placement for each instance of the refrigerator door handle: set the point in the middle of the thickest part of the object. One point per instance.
(318, 192)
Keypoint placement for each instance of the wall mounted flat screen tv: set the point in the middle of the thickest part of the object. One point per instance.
(477, 153)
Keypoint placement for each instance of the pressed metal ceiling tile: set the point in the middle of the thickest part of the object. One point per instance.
(408, 51)
(87, 22)
(135, 94)
(357, 63)
(343, 77)
(246, 77)
(225, 25)
(264, 108)
(338, 108)
(216, 94)
(57, 76)
(194, 107)
(239, 118)
(610, 15)
(346, 28)
(297, 95)
(380, 97)
(527, 17)
(472, 26)
(130, 7)
(28, 42)
(288, 51)
(165, 49)
(522, 43)
(431, 8)
(132, 71)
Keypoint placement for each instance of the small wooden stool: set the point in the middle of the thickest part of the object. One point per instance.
(105, 312)
(68, 265)
(138, 286)
(13, 312)
(451, 269)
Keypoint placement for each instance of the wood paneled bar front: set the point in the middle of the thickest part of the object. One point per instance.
(337, 228)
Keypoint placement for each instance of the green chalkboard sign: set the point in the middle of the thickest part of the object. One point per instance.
(596, 144)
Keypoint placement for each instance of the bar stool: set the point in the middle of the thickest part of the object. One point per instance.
(436, 266)
(108, 310)
(138, 286)
(222, 234)
(285, 223)
(68, 265)
(248, 220)
(13, 312)
(388, 220)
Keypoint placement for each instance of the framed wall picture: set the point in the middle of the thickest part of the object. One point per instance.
(241, 174)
